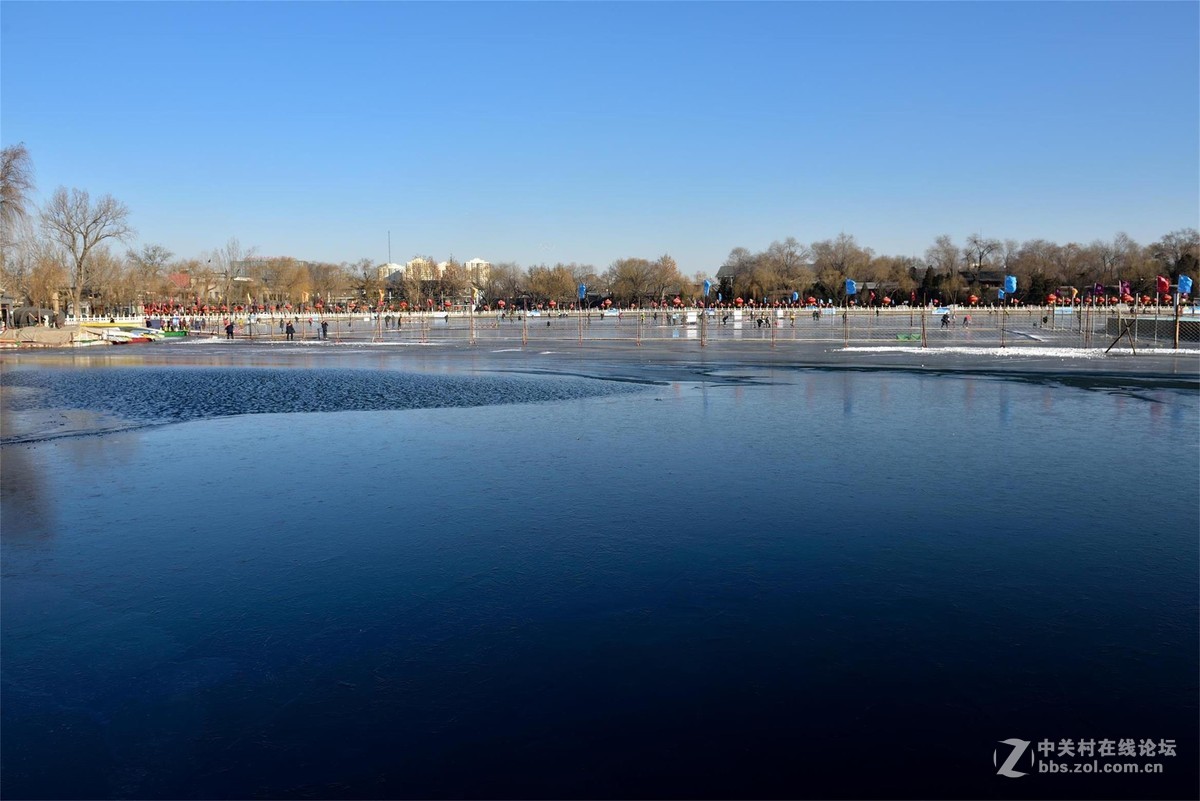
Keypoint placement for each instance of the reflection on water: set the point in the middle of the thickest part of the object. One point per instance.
(171, 395)
(620, 590)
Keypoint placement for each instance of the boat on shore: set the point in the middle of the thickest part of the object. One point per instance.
(124, 334)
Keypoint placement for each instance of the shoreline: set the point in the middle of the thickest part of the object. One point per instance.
(657, 359)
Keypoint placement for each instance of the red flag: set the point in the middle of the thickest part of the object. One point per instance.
(1164, 285)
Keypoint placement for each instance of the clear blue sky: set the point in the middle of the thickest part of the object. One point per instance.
(544, 132)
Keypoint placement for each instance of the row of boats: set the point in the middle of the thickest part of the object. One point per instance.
(126, 333)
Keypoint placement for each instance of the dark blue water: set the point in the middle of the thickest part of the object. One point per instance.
(812, 584)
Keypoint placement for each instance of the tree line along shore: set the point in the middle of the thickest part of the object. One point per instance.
(81, 255)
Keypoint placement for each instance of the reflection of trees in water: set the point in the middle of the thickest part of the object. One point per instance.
(112, 451)
(24, 503)
(27, 492)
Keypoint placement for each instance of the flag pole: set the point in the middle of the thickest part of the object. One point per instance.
(1157, 310)
(1177, 294)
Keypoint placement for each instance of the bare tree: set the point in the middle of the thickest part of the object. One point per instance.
(1178, 252)
(106, 274)
(943, 256)
(45, 280)
(592, 281)
(77, 225)
(631, 280)
(978, 249)
(665, 275)
(838, 259)
(16, 183)
(150, 263)
(23, 253)
(789, 259)
(505, 281)
(454, 281)
(294, 281)
(327, 281)
(228, 263)
(366, 280)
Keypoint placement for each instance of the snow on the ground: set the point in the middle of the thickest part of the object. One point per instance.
(1021, 352)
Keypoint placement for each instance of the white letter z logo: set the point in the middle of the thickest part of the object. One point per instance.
(1018, 748)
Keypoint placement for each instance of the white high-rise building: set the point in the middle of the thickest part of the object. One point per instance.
(479, 270)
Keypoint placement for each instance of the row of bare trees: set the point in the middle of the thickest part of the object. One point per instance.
(66, 249)
(951, 271)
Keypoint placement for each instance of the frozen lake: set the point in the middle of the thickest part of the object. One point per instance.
(244, 572)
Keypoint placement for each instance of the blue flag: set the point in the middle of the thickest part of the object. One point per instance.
(718, 297)
(1000, 294)
(851, 287)
(1010, 284)
(1185, 285)
(582, 291)
(795, 297)
(707, 286)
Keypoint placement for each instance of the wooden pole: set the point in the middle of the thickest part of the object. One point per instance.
(1124, 332)
(1158, 306)
(1176, 317)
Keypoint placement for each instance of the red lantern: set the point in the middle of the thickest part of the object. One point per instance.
(553, 304)
(608, 301)
(738, 301)
(447, 304)
(973, 300)
(811, 299)
(500, 304)
(1051, 299)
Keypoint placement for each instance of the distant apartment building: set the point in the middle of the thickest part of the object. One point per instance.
(431, 280)
(479, 270)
